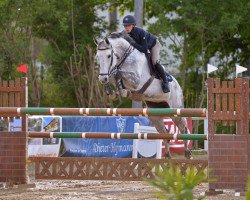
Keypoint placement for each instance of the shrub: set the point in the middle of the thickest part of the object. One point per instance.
(172, 184)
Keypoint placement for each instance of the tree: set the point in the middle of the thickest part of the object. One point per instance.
(113, 22)
(14, 37)
(58, 34)
(203, 29)
(17, 42)
(68, 26)
(202, 32)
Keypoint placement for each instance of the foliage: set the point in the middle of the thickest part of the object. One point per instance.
(248, 188)
(15, 35)
(59, 35)
(199, 31)
(69, 28)
(172, 184)
(55, 34)
(123, 5)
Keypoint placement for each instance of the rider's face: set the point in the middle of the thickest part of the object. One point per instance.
(128, 28)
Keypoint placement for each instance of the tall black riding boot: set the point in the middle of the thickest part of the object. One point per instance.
(165, 85)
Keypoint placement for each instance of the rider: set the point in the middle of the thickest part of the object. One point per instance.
(144, 41)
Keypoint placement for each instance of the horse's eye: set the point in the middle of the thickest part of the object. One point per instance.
(109, 56)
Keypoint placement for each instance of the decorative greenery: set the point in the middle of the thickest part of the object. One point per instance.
(248, 188)
(172, 184)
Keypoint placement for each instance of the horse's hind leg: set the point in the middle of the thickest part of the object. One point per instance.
(158, 123)
(181, 123)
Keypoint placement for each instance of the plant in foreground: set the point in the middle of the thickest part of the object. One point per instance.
(173, 184)
(248, 188)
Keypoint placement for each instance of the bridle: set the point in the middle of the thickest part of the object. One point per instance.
(118, 65)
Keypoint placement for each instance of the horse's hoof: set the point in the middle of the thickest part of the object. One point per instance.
(124, 93)
(112, 96)
(188, 154)
(168, 155)
(129, 94)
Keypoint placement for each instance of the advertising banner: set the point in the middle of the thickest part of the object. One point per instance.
(48, 147)
(100, 147)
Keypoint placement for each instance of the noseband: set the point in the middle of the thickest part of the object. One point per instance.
(118, 64)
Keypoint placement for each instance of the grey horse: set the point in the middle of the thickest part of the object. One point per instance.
(127, 68)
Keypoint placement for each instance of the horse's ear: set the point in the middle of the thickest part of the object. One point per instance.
(107, 41)
(96, 41)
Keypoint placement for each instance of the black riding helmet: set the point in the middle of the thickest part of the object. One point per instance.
(128, 20)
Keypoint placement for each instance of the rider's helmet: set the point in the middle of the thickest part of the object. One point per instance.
(129, 20)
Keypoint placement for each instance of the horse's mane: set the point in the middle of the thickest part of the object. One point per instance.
(102, 44)
(115, 35)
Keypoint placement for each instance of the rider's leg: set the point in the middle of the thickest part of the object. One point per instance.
(155, 55)
(165, 85)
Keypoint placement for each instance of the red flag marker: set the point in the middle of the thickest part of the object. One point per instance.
(22, 68)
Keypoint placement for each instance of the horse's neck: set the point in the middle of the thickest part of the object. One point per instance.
(137, 62)
(135, 70)
(120, 46)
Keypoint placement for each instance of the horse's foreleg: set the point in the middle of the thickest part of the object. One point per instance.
(110, 92)
(119, 86)
(158, 123)
(167, 147)
(181, 123)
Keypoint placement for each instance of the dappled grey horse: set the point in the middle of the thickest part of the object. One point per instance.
(127, 68)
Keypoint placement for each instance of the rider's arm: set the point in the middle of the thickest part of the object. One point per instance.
(139, 47)
(143, 46)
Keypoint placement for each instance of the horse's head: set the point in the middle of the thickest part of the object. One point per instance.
(110, 53)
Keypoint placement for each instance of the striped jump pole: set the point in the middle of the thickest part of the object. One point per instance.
(94, 135)
(169, 112)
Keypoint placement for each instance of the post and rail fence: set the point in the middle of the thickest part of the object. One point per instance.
(228, 154)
